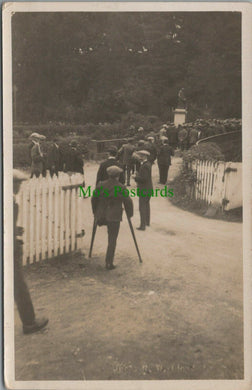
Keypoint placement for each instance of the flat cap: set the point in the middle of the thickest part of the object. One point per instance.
(73, 143)
(163, 137)
(141, 129)
(114, 170)
(143, 152)
(150, 137)
(19, 175)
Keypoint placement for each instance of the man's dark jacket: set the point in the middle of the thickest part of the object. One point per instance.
(102, 171)
(143, 178)
(106, 206)
(74, 161)
(164, 155)
(54, 158)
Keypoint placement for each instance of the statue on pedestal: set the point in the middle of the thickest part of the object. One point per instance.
(181, 98)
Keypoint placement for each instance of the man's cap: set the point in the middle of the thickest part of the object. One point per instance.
(19, 175)
(141, 129)
(143, 152)
(150, 137)
(165, 125)
(73, 143)
(114, 170)
(163, 138)
(112, 148)
(141, 142)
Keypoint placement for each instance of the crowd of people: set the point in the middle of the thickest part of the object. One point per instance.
(52, 157)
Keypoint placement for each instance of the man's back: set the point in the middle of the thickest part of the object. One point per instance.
(127, 151)
(164, 155)
(143, 178)
(107, 202)
(102, 171)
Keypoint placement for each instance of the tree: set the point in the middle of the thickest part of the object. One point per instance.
(87, 66)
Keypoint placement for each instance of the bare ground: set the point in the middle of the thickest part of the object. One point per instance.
(178, 315)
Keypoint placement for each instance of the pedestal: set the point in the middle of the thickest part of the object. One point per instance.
(179, 116)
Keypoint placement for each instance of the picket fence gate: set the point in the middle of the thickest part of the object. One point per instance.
(51, 213)
(218, 183)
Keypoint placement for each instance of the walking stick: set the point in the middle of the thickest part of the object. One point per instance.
(134, 238)
(93, 237)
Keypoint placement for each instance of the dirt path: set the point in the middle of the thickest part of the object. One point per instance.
(176, 316)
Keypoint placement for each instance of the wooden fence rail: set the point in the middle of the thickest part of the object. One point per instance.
(218, 183)
(51, 213)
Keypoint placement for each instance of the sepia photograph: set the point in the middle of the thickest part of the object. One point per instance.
(127, 195)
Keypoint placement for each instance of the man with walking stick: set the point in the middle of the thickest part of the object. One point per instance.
(107, 208)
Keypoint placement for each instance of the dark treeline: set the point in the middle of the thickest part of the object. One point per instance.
(94, 67)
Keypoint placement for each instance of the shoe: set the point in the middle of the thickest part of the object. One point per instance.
(140, 228)
(112, 266)
(38, 324)
(128, 185)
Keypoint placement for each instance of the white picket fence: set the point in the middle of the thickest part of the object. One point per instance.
(218, 183)
(51, 213)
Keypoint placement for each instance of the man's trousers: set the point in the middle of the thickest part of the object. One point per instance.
(21, 293)
(127, 172)
(144, 209)
(163, 173)
(113, 230)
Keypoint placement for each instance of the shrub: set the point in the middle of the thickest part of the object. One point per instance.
(205, 151)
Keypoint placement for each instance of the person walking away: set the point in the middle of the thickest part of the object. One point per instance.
(74, 160)
(145, 187)
(172, 133)
(151, 148)
(163, 131)
(111, 160)
(182, 137)
(193, 137)
(126, 151)
(164, 160)
(107, 209)
(36, 155)
(22, 296)
(135, 156)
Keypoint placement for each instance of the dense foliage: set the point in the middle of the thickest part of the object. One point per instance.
(96, 67)
(205, 151)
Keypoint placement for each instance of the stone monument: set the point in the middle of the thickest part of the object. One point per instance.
(180, 112)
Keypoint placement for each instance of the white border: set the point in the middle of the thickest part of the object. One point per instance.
(9, 369)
